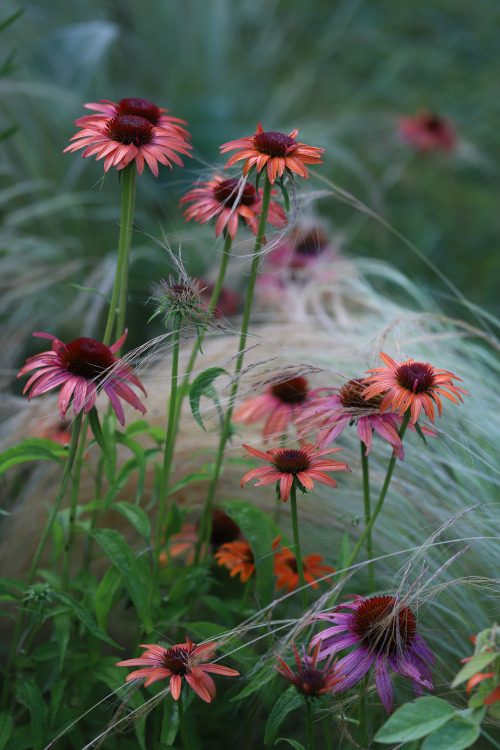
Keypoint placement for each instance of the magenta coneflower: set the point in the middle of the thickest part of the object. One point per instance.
(82, 368)
(229, 200)
(410, 384)
(302, 465)
(331, 414)
(309, 680)
(182, 660)
(274, 151)
(426, 131)
(280, 404)
(383, 632)
(125, 135)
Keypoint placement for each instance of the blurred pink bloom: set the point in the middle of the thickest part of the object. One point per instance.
(426, 131)
(305, 247)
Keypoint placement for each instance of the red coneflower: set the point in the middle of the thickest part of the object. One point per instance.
(426, 131)
(412, 385)
(182, 660)
(384, 633)
(229, 200)
(286, 570)
(237, 557)
(280, 403)
(303, 465)
(82, 368)
(309, 680)
(124, 136)
(275, 151)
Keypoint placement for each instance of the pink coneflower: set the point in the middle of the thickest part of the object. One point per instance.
(280, 404)
(82, 368)
(309, 680)
(305, 247)
(426, 132)
(384, 633)
(183, 660)
(410, 384)
(229, 200)
(238, 558)
(286, 570)
(302, 465)
(331, 414)
(132, 129)
(275, 151)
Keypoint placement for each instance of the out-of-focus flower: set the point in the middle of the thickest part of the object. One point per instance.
(285, 568)
(384, 633)
(303, 465)
(494, 695)
(309, 679)
(82, 368)
(182, 660)
(306, 246)
(224, 529)
(133, 129)
(280, 404)
(230, 302)
(238, 558)
(410, 384)
(426, 131)
(274, 151)
(229, 200)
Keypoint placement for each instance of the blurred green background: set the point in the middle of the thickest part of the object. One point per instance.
(342, 72)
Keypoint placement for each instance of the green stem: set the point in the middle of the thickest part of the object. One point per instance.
(296, 541)
(366, 498)
(119, 296)
(310, 726)
(380, 501)
(182, 723)
(206, 517)
(74, 505)
(327, 734)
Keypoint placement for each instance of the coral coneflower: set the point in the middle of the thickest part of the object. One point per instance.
(302, 465)
(383, 632)
(286, 570)
(237, 557)
(182, 660)
(275, 151)
(280, 403)
(82, 368)
(309, 679)
(229, 200)
(126, 135)
(426, 131)
(411, 384)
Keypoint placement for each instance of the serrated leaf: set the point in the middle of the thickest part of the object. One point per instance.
(32, 698)
(104, 596)
(415, 720)
(476, 664)
(136, 516)
(32, 449)
(202, 386)
(95, 426)
(84, 616)
(288, 701)
(455, 735)
(6, 727)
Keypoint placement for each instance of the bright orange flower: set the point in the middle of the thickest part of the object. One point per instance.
(229, 200)
(288, 464)
(275, 151)
(412, 385)
(285, 568)
(182, 660)
(237, 557)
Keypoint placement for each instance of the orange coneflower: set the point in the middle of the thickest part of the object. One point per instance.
(229, 200)
(275, 151)
(302, 465)
(412, 385)
(182, 660)
(286, 571)
(237, 557)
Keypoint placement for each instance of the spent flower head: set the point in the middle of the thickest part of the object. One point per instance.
(309, 679)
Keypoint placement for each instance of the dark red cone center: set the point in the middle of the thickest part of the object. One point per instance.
(290, 461)
(351, 398)
(139, 108)
(274, 144)
(384, 626)
(417, 377)
(224, 529)
(228, 193)
(310, 681)
(87, 358)
(177, 660)
(130, 129)
(292, 391)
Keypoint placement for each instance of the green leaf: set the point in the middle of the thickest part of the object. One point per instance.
(32, 449)
(476, 664)
(202, 386)
(62, 625)
(455, 735)
(415, 720)
(259, 531)
(84, 616)
(31, 697)
(6, 726)
(104, 596)
(170, 723)
(89, 289)
(141, 426)
(136, 516)
(95, 426)
(193, 476)
(141, 460)
(11, 19)
(57, 693)
(288, 701)
(344, 552)
(420, 433)
(293, 743)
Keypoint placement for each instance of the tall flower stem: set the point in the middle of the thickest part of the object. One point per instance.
(206, 517)
(119, 296)
(169, 439)
(310, 725)
(380, 501)
(74, 504)
(182, 724)
(366, 499)
(296, 541)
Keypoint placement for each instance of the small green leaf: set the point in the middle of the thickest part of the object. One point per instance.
(95, 426)
(104, 596)
(32, 449)
(293, 743)
(288, 701)
(415, 720)
(170, 724)
(89, 289)
(193, 476)
(420, 433)
(476, 664)
(84, 616)
(136, 516)
(11, 19)
(202, 386)
(6, 726)
(32, 698)
(455, 735)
